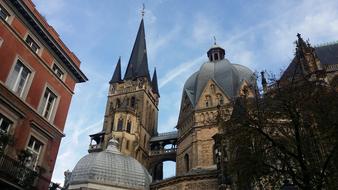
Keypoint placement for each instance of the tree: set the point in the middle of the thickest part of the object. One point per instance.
(290, 132)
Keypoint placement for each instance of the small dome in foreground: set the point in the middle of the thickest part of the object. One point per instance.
(109, 169)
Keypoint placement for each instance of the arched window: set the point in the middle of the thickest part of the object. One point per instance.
(208, 102)
(128, 126)
(216, 56)
(212, 88)
(118, 103)
(120, 125)
(132, 102)
(220, 99)
(186, 162)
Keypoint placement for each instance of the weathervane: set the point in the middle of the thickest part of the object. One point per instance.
(214, 40)
(142, 11)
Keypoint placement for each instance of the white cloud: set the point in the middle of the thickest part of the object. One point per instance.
(174, 73)
(155, 42)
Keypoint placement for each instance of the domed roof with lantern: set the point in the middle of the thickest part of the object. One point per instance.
(228, 76)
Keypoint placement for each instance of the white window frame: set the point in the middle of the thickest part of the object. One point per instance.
(1, 41)
(34, 152)
(5, 11)
(2, 119)
(62, 77)
(33, 42)
(44, 105)
(15, 85)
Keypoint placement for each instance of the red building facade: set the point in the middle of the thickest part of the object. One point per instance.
(38, 74)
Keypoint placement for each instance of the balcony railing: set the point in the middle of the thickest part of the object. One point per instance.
(16, 173)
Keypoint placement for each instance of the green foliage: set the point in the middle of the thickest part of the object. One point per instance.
(24, 156)
(5, 139)
(291, 132)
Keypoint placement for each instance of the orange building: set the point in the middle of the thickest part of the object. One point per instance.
(38, 74)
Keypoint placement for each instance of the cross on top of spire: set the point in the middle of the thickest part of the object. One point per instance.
(215, 40)
(143, 10)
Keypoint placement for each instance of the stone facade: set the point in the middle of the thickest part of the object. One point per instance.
(131, 115)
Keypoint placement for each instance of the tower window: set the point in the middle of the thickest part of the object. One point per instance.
(216, 56)
(132, 102)
(128, 126)
(120, 125)
(186, 162)
(118, 103)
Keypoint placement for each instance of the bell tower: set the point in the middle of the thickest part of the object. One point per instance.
(132, 106)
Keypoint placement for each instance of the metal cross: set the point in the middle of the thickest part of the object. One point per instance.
(142, 11)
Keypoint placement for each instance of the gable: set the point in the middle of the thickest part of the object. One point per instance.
(211, 96)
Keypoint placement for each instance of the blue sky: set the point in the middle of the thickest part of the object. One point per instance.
(258, 34)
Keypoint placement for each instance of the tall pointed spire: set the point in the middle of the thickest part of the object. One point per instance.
(154, 84)
(117, 73)
(138, 62)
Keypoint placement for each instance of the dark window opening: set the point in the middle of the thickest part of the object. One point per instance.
(132, 102)
(5, 124)
(118, 103)
(186, 162)
(215, 56)
(120, 125)
(128, 126)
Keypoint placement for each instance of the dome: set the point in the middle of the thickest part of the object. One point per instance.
(110, 168)
(229, 77)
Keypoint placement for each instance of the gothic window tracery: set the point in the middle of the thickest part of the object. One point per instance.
(186, 162)
(120, 124)
(212, 88)
(208, 102)
(118, 103)
(132, 102)
(220, 99)
(129, 126)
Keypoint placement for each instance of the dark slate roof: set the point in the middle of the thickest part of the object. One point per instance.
(327, 54)
(154, 84)
(117, 73)
(229, 78)
(138, 62)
